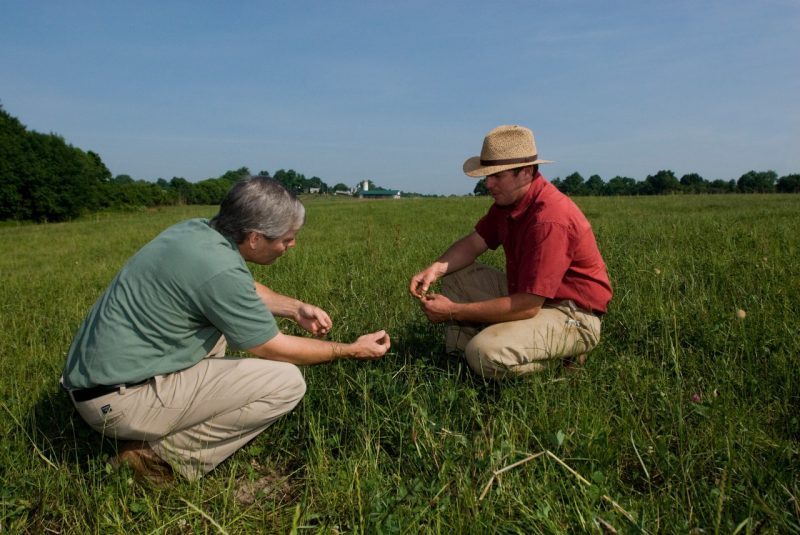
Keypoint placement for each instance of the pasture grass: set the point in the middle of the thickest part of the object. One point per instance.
(684, 419)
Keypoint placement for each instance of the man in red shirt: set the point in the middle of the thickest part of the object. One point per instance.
(546, 308)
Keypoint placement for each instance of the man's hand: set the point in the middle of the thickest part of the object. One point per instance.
(513, 307)
(370, 346)
(421, 282)
(459, 255)
(313, 319)
(437, 307)
(304, 351)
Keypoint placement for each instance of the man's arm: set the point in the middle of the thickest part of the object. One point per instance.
(518, 306)
(459, 255)
(310, 317)
(279, 304)
(304, 351)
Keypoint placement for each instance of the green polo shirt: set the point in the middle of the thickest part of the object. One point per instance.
(166, 309)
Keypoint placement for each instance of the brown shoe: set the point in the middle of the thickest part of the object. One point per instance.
(574, 364)
(144, 462)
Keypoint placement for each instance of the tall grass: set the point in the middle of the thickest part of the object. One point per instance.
(684, 418)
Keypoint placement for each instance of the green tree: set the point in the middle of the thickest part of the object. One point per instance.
(573, 185)
(620, 185)
(122, 179)
(693, 183)
(137, 193)
(757, 182)
(16, 165)
(182, 189)
(789, 184)
(42, 178)
(661, 183)
(291, 179)
(594, 186)
(210, 191)
(480, 188)
(721, 186)
(234, 176)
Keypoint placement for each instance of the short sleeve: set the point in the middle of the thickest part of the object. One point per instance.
(229, 301)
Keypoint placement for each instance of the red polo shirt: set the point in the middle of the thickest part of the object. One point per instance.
(550, 248)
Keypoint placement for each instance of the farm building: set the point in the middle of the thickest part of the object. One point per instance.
(364, 192)
(379, 194)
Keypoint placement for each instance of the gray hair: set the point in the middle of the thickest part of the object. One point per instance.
(258, 204)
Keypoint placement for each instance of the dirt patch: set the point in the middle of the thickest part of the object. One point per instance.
(271, 484)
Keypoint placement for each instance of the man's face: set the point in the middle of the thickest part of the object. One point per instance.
(508, 187)
(266, 251)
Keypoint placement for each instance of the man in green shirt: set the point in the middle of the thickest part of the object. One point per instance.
(148, 364)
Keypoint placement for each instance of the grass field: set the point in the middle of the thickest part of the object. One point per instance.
(685, 419)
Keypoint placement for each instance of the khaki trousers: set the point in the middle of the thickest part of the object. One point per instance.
(532, 345)
(198, 417)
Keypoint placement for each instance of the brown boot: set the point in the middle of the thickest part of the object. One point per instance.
(574, 364)
(144, 462)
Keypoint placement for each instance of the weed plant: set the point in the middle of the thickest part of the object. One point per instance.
(685, 418)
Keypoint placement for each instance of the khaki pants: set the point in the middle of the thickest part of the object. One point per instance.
(198, 417)
(558, 331)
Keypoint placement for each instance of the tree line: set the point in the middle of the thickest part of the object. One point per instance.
(178, 190)
(665, 182)
(44, 178)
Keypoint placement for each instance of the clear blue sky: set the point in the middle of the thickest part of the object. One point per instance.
(403, 92)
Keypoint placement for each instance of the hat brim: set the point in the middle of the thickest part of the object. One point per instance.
(472, 167)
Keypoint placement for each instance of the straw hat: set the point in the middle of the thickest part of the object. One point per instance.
(505, 147)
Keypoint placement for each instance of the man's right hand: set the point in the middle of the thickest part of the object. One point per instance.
(303, 351)
(459, 255)
(422, 281)
(370, 346)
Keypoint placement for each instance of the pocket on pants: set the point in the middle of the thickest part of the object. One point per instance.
(102, 414)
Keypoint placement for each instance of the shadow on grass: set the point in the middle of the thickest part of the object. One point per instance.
(422, 344)
(62, 436)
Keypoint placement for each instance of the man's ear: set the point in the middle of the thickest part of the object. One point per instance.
(252, 240)
(526, 172)
(532, 171)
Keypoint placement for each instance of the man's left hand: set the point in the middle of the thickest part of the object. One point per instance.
(314, 319)
(437, 307)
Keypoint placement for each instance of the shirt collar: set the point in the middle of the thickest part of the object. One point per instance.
(530, 196)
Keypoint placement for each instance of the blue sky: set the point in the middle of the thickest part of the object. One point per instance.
(403, 92)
